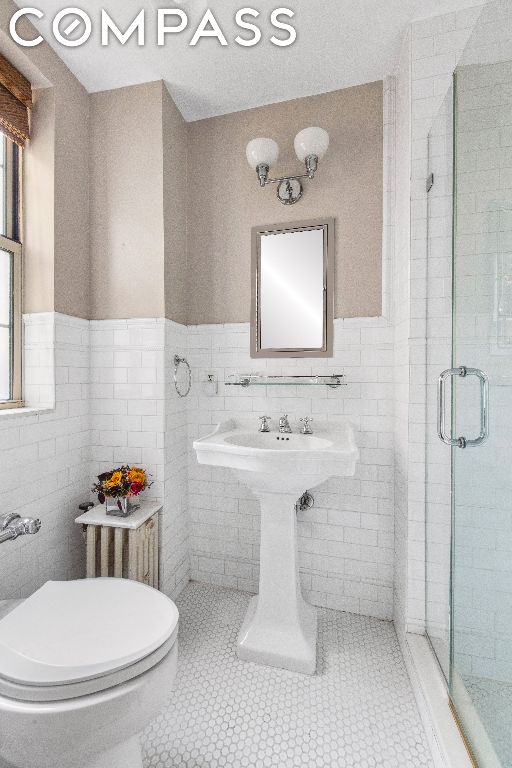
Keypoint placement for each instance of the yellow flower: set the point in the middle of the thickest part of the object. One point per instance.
(114, 480)
(137, 475)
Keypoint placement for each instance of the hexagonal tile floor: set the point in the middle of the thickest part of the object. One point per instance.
(358, 711)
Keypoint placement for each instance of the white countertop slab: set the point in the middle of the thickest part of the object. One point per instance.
(98, 516)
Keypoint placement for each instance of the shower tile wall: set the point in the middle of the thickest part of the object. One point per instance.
(483, 621)
(45, 456)
(400, 315)
(427, 62)
(346, 540)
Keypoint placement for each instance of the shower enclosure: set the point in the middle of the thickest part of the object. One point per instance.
(469, 389)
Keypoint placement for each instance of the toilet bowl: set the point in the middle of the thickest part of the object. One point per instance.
(84, 667)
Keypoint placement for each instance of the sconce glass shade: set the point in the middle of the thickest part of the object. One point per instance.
(262, 152)
(311, 141)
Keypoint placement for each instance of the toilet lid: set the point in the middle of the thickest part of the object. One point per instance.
(69, 631)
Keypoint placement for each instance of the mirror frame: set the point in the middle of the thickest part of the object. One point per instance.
(326, 350)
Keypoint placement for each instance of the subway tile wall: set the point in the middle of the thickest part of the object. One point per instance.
(115, 395)
(400, 315)
(483, 489)
(346, 540)
(424, 75)
(138, 418)
(44, 457)
(175, 563)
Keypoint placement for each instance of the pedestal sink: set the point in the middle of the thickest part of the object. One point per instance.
(280, 628)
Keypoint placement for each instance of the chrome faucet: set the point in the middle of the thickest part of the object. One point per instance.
(306, 429)
(264, 426)
(12, 526)
(284, 425)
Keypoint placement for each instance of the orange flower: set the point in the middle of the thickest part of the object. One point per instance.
(115, 480)
(137, 475)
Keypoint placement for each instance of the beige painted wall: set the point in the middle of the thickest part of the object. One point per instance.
(130, 212)
(225, 200)
(72, 221)
(56, 236)
(39, 207)
(138, 204)
(127, 232)
(175, 209)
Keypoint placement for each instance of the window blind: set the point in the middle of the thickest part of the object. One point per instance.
(15, 103)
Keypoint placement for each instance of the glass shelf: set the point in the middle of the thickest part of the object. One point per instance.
(334, 381)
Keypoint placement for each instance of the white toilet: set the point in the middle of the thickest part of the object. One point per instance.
(84, 667)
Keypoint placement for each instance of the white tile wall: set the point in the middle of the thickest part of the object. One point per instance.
(134, 415)
(138, 418)
(175, 562)
(483, 491)
(100, 394)
(39, 360)
(427, 62)
(44, 458)
(346, 540)
(128, 397)
(401, 328)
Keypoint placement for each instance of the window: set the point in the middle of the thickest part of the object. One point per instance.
(10, 275)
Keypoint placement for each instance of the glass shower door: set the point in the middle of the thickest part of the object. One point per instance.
(481, 413)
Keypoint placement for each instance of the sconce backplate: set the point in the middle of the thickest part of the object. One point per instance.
(289, 191)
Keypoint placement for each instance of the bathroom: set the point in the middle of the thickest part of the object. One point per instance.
(318, 572)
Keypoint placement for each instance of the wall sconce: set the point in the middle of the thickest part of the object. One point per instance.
(311, 144)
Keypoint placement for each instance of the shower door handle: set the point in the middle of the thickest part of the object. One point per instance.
(463, 442)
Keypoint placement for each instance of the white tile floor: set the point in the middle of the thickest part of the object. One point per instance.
(358, 711)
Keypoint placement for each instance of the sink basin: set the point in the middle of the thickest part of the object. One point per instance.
(280, 627)
(270, 461)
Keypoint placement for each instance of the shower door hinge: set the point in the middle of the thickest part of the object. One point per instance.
(430, 182)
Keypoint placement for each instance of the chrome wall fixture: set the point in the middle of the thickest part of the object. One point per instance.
(463, 442)
(12, 526)
(177, 362)
(333, 380)
(311, 144)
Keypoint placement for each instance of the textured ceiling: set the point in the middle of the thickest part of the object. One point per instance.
(340, 43)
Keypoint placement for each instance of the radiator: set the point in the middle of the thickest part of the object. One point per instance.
(125, 548)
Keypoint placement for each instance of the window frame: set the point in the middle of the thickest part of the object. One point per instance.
(11, 243)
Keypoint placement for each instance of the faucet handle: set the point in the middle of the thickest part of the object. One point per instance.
(264, 426)
(30, 525)
(306, 429)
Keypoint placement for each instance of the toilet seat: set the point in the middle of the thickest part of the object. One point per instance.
(56, 693)
(75, 638)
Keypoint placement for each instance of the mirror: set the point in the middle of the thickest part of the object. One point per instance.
(292, 290)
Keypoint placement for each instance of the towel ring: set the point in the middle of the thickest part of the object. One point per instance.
(177, 362)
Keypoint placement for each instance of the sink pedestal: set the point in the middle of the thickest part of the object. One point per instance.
(280, 628)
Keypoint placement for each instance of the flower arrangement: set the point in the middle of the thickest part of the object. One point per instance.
(124, 482)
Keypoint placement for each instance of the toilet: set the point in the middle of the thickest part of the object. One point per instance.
(84, 667)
